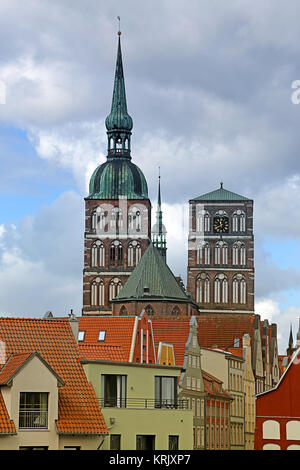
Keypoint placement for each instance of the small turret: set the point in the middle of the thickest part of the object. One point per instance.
(159, 230)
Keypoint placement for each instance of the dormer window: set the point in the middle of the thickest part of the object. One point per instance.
(81, 335)
(101, 336)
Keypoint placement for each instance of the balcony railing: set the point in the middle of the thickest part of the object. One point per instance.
(143, 403)
(33, 419)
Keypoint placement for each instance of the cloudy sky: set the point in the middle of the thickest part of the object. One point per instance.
(212, 89)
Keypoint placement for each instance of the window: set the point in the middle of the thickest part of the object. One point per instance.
(149, 310)
(175, 311)
(207, 254)
(33, 448)
(98, 254)
(239, 289)
(33, 410)
(116, 253)
(238, 221)
(203, 221)
(134, 219)
(115, 442)
(123, 311)
(165, 392)
(134, 253)
(239, 254)
(101, 336)
(97, 292)
(145, 442)
(221, 289)
(81, 335)
(173, 442)
(114, 288)
(113, 390)
(202, 288)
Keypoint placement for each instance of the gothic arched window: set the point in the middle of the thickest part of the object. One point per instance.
(114, 288)
(134, 219)
(98, 219)
(149, 310)
(123, 311)
(97, 292)
(203, 221)
(239, 254)
(239, 289)
(238, 221)
(207, 253)
(116, 253)
(175, 311)
(221, 288)
(203, 288)
(221, 253)
(98, 254)
(134, 253)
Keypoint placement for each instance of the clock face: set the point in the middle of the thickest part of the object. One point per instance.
(221, 224)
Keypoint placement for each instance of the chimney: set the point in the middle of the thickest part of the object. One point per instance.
(74, 324)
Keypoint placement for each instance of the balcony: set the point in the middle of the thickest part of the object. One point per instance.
(143, 403)
(33, 419)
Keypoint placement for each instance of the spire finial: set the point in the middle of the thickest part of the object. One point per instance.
(221, 185)
(119, 32)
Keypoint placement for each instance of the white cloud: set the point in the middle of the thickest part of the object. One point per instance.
(75, 147)
(41, 260)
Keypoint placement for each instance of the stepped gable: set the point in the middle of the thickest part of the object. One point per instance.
(53, 339)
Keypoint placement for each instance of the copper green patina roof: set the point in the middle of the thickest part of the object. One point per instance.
(118, 176)
(221, 194)
(153, 279)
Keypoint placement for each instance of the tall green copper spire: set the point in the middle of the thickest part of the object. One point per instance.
(119, 123)
(118, 176)
(159, 230)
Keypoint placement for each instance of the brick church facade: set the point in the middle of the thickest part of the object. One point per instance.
(221, 252)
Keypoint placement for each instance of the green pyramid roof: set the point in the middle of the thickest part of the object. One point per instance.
(153, 279)
(221, 194)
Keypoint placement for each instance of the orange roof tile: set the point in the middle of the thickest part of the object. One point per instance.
(6, 424)
(119, 332)
(220, 330)
(13, 363)
(78, 408)
(102, 352)
(213, 385)
(175, 332)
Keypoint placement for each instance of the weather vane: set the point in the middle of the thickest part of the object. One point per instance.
(119, 32)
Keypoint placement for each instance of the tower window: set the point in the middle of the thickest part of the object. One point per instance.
(239, 221)
(114, 288)
(97, 292)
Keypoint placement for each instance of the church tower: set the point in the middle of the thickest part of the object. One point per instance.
(117, 210)
(158, 230)
(220, 273)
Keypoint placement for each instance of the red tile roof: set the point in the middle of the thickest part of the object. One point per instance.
(6, 424)
(78, 407)
(220, 330)
(102, 352)
(175, 332)
(213, 385)
(119, 332)
(14, 362)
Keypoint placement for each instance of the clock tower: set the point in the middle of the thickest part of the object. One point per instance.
(221, 252)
